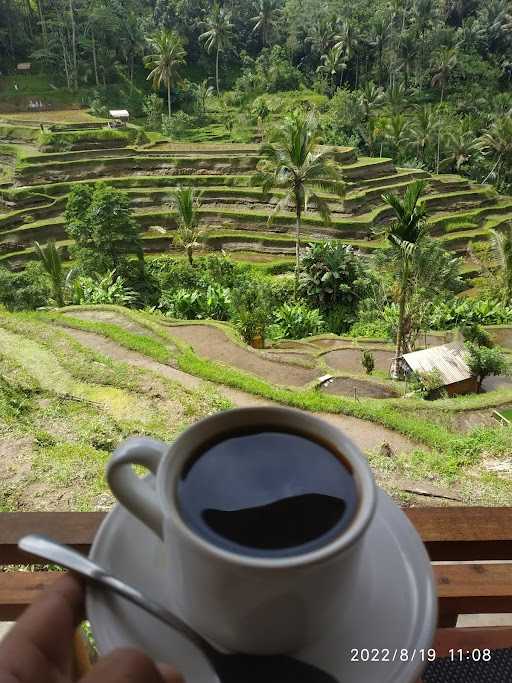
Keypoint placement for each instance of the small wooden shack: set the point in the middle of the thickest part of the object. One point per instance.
(448, 360)
(119, 117)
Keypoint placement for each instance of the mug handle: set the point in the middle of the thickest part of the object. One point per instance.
(134, 493)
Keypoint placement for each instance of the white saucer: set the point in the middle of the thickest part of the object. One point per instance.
(393, 606)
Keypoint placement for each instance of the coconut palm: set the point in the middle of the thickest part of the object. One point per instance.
(444, 61)
(380, 30)
(370, 97)
(460, 145)
(186, 202)
(321, 35)
(167, 57)
(51, 260)
(204, 92)
(295, 162)
(422, 131)
(332, 64)
(501, 246)
(266, 19)
(408, 50)
(405, 233)
(397, 133)
(218, 34)
(496, 143)
(348, 40)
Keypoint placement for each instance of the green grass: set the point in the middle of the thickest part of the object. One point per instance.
(73, 406)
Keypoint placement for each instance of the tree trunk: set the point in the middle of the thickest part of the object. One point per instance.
(439, 136)
(65, 60)
(217, 71)
(43, 25)
(479, 383)
(73, 45)
(94, 59)
(169, 97)
(401, 316)
(189, 255)
(57, 293)
(297, 250)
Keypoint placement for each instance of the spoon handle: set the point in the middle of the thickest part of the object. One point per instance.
(45, 547)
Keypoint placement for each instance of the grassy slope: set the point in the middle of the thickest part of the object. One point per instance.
(73, 406)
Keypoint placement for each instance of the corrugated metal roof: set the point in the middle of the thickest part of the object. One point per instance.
(119, 113)
(448, 359)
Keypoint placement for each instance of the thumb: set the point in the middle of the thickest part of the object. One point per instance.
(129, 666)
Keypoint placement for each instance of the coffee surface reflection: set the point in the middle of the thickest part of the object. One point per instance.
(267, 494)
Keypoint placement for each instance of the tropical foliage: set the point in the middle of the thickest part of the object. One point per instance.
(294, 161)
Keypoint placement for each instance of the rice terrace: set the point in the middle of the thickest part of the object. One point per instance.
(291, 227)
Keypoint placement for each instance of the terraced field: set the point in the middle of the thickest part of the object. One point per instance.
(75, 382)
(34, 188)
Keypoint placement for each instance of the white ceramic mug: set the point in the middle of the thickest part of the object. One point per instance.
(242, 603)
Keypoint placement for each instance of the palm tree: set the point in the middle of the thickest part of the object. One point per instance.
(501, 246)
(348, 41)
(423, 17)
(321, 35)
(51, 260)
(496, 143)
(423, 126)
(294, 161)
(218, 34)
(168, 55)
(460, 144)
(408, 51)
(445, 60)
(186, 203)
(370, 131)
(405, 232)
(265, 20)
(396, 98)
(204, 92)
(380, 30)
(332, 63)
(370, 97)
(397, 132)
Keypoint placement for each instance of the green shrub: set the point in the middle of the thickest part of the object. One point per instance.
(374, 329)
(177, 125)
(25, 290)
(195, 304)
(100, 220)
(477, 335)
(295, 321)
(468, 312)
(484, 362)
(368, 361)
(427, 384)
(183, 303)
(153, 108)
(101, 289)
(251, 309)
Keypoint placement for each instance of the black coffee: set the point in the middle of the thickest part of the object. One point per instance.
(268, 494)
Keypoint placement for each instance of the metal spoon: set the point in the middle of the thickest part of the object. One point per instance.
(230, 668)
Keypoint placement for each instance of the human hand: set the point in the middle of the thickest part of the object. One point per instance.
(39, 648)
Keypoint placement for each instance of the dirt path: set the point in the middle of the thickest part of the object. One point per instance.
(367, 435)
(212, 343)
(349, 360)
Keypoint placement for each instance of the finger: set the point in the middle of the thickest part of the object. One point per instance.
(169, 674)
(40, 642)
(126, 666)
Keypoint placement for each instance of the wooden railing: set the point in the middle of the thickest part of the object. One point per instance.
(481, 538)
